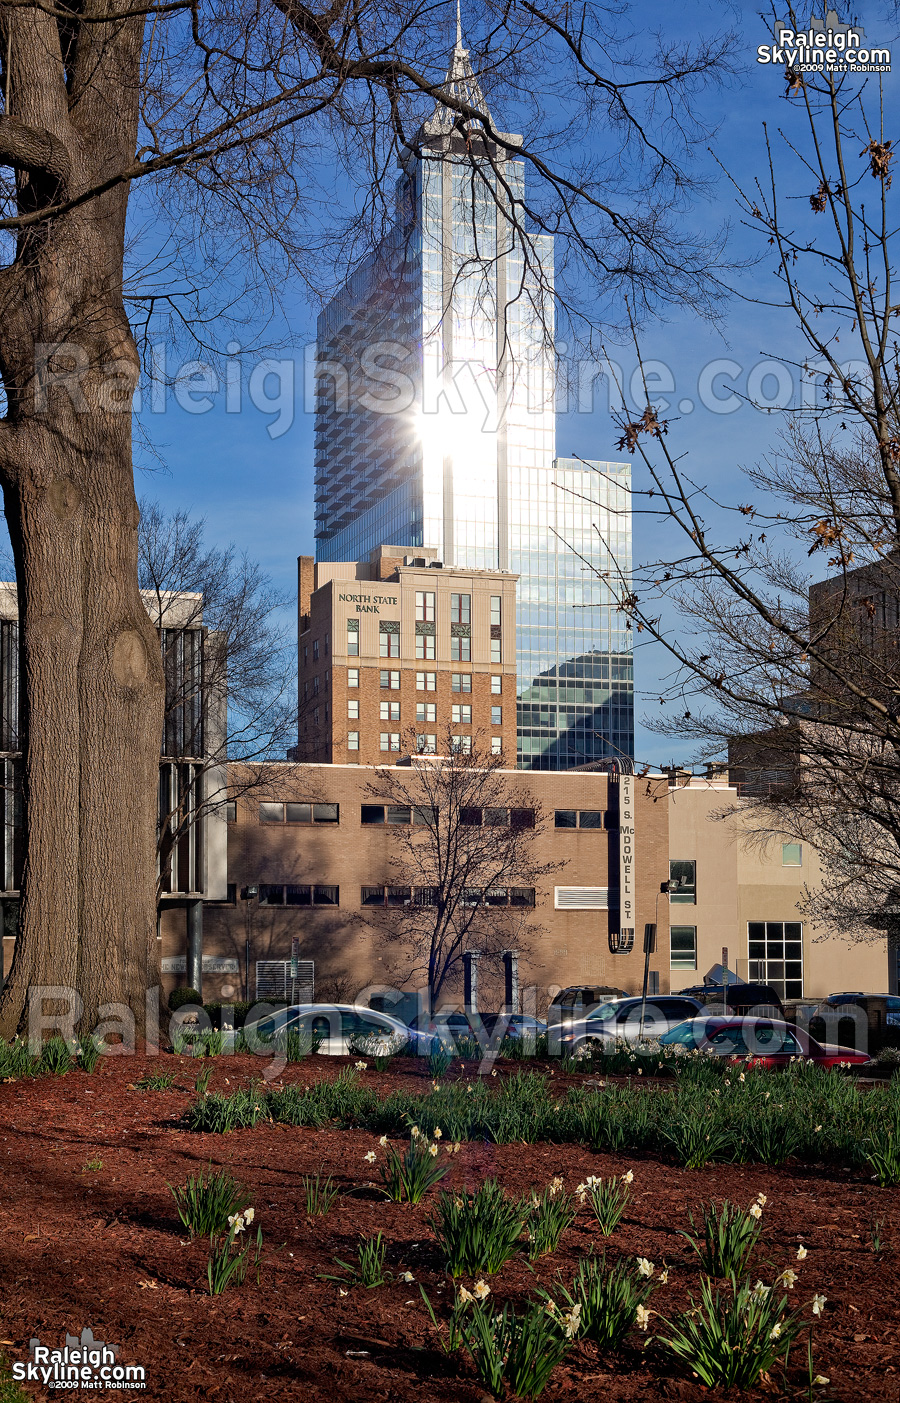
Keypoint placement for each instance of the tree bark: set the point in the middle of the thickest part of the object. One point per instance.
(93, 681)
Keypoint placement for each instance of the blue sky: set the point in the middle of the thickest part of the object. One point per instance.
(257, 490)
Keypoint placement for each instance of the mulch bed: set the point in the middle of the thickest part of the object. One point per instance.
(103, 1247)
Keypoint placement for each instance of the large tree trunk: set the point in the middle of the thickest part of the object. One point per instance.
(91, 665)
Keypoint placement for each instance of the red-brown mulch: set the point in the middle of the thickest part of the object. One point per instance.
(103, 1247)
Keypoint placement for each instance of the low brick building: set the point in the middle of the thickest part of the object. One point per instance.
(308, 855)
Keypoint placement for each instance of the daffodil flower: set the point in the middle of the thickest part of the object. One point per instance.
(370, 1157)
(643, 1317)
(755, 1210)
(644, 1267)
(818, 1304)
(802, 1253)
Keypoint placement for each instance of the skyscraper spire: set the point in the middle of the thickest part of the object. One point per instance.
(460, 84)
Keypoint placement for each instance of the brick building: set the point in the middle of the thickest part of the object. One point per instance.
(309, 857)
(398, 653)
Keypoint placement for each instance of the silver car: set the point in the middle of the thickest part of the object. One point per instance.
(334, 1029)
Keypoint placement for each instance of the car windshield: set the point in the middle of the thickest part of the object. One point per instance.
(603, 1012)
(683, 1035)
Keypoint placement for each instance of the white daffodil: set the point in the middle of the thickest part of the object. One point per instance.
(760, 1290)
(407, 1276)
(755, 1210)
(571, 1321)
(761, 1200)
(644, 1267)
(643, 1317)
(742, 1077)
(802, 1253)
(437, 1133)
(481, 1290)
(341, 1291)
(465, 1296)
(817, 1128)
(556, 1186)
(371, 1157)
(360, 1066)
(787, 1278)
(432, 1150)
(628, 1177)
(818, 1304)
(383, 1141)
(775, 1331)
(249, 1215)
(821, 1380)
(663, 1277)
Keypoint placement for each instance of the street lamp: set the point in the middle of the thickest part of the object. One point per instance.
(649, 948)
(248, 894)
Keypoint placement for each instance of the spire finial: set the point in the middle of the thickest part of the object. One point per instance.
(459, 42)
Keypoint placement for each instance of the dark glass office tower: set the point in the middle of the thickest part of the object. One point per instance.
(435, 426)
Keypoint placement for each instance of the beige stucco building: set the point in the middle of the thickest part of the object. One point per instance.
(743, 896)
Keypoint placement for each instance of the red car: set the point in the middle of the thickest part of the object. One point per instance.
(764, 1041)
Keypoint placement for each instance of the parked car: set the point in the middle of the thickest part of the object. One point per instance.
(449, 1030)
(512, 1025)
(764, 1040)
(577, 1000)
(744, 998)
(620, 1021)
(867, 1022)
(335, 1029)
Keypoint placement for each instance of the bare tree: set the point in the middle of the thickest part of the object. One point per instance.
(462, 871)
(801, 682)
(229, 661)
(235, 119)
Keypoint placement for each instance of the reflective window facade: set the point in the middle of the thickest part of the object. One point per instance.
(436, 427)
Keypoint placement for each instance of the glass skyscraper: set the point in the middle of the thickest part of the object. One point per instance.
(435, 426)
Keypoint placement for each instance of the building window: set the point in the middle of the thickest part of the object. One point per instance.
(590, 818)
(281, 895)
(426, 711)
(352, 676)
(390, 740)
(461, 715)
(424, 645)
(496, 745)
(495, 629)
(316, 717)
(683, 882)
(496, 715)
(460, 649)
(371, 813)
(775, 950)
(496, 818)
(316, 685)
(460, 681)
(792, 854)
(566, 818)
(353, 740)
(299, 813)
(305, 655)
(460, 608)
(353, 709)
(386, 896)
(424, 606)
(389, 711)
(231, 811)
(390, 681)
(388, 639)
(426, 681)
(353, 638)
(426, 745)
(683, 941)
(496, 686)
(461, 745)
(521, 818)
(399, 814)
(315, 650)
